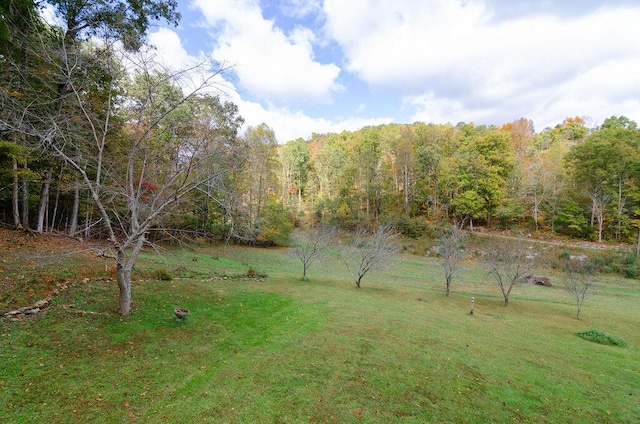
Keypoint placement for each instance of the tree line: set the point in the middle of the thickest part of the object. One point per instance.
(99, 139)
(572, 180)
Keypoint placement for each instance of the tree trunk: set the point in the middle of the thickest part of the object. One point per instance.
(600, 217)
(15, 195)
(73, 228)
(367, 200)
(25, 198)
(621, 202)
(259, 196)
(536, 205)
(552, 205)
(124, 266)
(406, 188)
(43, 205)
(87, 219)
(52, 224)
(124, 283)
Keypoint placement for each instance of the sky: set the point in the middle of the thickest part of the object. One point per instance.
(321, 66)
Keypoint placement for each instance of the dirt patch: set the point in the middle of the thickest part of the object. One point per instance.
(33, 265)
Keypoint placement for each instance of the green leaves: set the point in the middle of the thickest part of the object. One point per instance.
(127, 21)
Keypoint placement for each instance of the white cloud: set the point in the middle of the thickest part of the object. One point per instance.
(272, 66)
(299, 8)
(48, 13)
(196, 73)
(170, 50)
(433, 61)
(609, 88)
(430, 108)
(288, 124)
(453, 59)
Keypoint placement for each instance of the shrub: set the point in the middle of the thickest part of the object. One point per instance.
(414, 228)
(616, 262)
(630, 266)
(162, 275)
(572, 222)
(601, 338)
(631, 271)
(276, 224)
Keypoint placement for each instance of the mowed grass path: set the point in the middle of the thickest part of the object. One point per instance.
(283, 350)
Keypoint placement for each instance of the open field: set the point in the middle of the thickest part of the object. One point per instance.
(283, 350)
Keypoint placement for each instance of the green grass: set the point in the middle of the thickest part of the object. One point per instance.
(283, 350)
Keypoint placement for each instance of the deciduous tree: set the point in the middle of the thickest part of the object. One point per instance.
(483, 166)
(507, 263)
(579, 278)
(296, 160)
(125, 20)
(369, 251)
(310, 245)
(451, 248)
(137, 173)
(603, 166)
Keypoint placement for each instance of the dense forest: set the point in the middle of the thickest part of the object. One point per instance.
(99, 140)
(572, 180)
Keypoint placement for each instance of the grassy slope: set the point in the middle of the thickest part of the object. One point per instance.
(283, 350)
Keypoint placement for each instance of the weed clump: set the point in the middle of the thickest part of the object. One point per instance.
(251, 272)
(601, 338)
(162, 275)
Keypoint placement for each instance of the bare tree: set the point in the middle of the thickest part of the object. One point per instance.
(451, 248)
(369, 251)
(599, 203)
(311, 245)
(579, 278)
(508, 264)
(141, 138)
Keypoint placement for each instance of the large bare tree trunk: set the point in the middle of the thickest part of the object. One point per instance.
(124, 266)
(124, 283)
(16, 195)
(43, 205)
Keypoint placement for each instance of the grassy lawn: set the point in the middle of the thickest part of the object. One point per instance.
(277, 349)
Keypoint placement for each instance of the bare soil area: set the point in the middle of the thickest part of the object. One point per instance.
(32, 265)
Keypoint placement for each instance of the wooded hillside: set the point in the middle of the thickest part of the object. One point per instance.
(101, 140)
